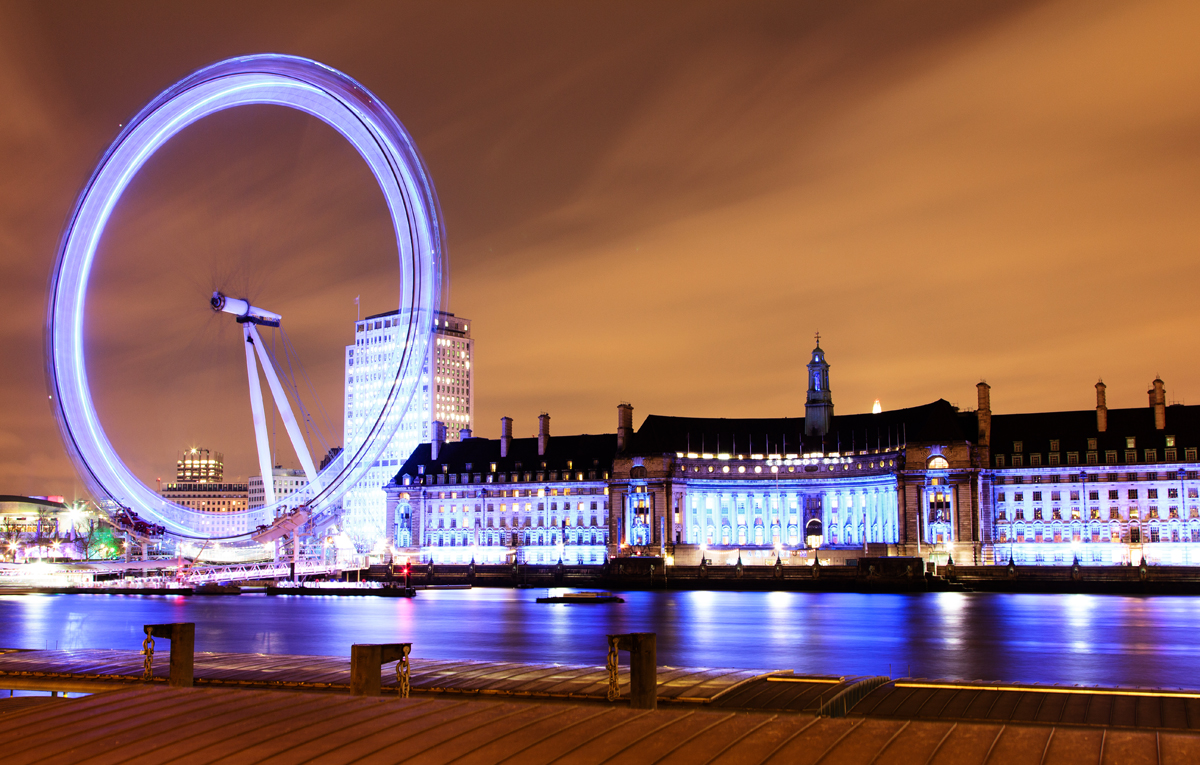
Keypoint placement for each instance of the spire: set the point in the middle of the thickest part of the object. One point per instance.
(818, 407)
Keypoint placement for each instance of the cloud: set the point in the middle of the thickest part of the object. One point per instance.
(642, 204)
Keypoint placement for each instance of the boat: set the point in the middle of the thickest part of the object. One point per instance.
(582, 597)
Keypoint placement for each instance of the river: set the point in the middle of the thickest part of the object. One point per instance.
(1070, 639)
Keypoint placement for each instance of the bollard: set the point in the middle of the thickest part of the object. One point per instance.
(183, 648)
(643, 667)
(366, 664)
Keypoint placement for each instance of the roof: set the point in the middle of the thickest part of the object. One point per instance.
(935, 422)
(17, 498)
(477, 455)
(1073, 429)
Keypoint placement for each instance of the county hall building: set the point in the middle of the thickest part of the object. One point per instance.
(1100, 487)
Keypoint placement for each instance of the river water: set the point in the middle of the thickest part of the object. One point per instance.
(1070, 639)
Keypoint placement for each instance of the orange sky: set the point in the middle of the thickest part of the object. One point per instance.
(657, 203)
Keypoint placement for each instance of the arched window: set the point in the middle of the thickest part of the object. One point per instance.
(937, 462)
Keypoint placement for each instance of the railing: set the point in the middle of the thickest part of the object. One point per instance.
(843, 702)
(249, 571)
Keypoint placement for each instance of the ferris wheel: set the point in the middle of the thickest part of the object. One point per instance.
(375, 132)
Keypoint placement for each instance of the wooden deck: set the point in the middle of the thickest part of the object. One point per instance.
(571, 681)
(153, 724)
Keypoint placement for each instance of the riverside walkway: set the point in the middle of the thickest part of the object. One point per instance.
(281, 709)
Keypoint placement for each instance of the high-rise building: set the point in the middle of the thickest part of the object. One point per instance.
(198, 465)
(200, 485)
(285, 481)
(445, 396)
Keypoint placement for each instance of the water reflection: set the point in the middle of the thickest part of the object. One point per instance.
(1032, 638)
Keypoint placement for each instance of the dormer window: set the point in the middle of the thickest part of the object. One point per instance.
(938, 463)
(1130, 442)
(1018, 446)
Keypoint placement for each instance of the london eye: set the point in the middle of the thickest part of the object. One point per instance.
(392, 157)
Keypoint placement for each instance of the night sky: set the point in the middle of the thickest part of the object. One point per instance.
(651, 202)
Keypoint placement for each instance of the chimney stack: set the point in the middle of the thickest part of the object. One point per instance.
(624, 426)
(543, 433)
(439, 438)
(464, 434)
(505, 435)
(984, 413)
(1158, 400)
(1101, 407)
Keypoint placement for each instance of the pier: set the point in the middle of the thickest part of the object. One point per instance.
(383, 705)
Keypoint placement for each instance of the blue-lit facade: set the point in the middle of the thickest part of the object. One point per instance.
(524, 500)
(1102, 487)
(1097, 487)
(833, 488)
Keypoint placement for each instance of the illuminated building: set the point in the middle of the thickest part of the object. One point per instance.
(200, 485)
(284, 481)
(444, 396)
(198, 465)
(1103, 486)
(532, 500)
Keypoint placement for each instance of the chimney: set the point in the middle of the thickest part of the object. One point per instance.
(543, 433)
(439, 438)
(1101, 408)
(505, 435)
(985, 413)
(1158, 399)
(464, 434)
(624, 425)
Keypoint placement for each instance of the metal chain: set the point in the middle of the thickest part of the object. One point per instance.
(403, 677)
(148, 664)
(614, 686)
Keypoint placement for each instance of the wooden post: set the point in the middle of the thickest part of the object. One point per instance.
(183, 650)
(366, 665)
(643, 668)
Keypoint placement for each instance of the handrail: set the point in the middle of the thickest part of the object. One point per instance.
(841, 703)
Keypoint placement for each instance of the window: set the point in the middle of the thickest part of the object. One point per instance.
(1193, 492)
(999, 460)
(1092, 444)
(1072, 458)
(1054, 444)
(938, 463)
(1112, 494)
(1037, 496)
(1054, 458)
(1035, 460)
(1055, 496)
(1018, 497)
(1000, 497)
(1091, 458)
(1169, 455)
(1075, 496)
(1133, 493)
(1130, 442)
(1130, 457)
(1152, 455)
(1018, 460)
(1170, 440)
(1189, 455)
(1151, 493)
(1018, 446)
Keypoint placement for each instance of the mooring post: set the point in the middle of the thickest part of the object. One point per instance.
(366, 666)
(183, 650)
(643, 668)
